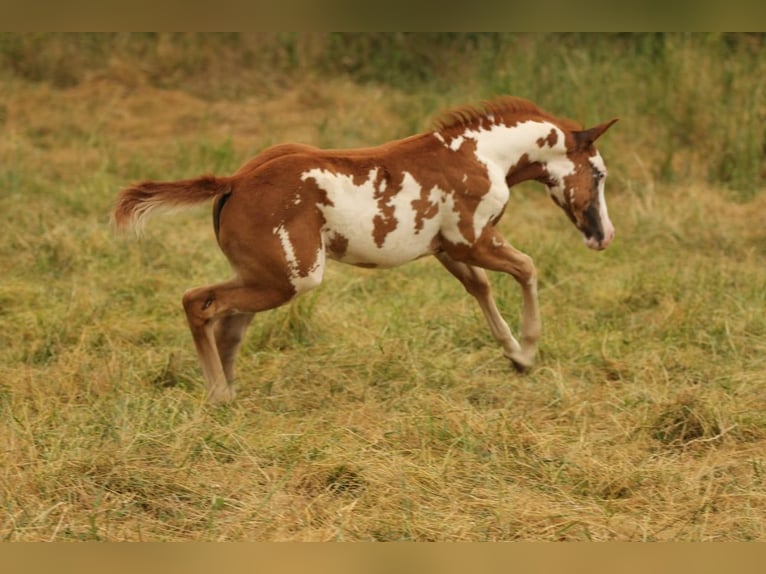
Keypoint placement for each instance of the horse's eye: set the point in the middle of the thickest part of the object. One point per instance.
(599, 175)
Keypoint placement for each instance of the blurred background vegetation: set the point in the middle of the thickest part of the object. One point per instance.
(695, 104)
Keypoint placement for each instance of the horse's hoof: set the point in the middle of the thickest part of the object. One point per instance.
(221, 397)
(519, 367)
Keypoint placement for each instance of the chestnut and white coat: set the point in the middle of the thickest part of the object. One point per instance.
(285, 212)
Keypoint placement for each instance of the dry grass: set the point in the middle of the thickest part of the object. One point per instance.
(377, 407)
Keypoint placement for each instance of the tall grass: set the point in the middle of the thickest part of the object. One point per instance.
(378, 407)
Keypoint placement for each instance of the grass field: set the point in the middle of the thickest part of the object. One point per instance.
(378, 407)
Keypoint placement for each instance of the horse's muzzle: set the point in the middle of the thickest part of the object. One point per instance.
(599, 245)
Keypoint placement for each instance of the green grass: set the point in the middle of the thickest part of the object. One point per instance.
(378, 407)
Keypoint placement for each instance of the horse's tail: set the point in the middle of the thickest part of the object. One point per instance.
(136, 204)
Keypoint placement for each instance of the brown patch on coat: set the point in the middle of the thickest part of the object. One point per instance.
(338, 244)
(472, 185)
(424, 208)
(385, 220)
(524, 170)
(550, 140)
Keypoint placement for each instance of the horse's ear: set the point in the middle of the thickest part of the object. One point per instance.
(585, 138)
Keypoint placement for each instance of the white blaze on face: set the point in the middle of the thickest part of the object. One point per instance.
(300, 282)
(606, 224)
(355, 207)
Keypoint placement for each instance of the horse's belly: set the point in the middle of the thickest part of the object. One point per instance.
(362, 242)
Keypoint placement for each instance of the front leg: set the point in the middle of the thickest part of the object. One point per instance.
(475, 281)
(493, 252)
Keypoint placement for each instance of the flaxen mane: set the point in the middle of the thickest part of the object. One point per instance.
(505, 107)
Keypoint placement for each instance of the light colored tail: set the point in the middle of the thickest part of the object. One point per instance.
(136, 204)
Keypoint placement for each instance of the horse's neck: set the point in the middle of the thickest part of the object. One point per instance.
(528, 141)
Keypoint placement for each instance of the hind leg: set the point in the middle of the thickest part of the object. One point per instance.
(206, 306)
(229, 332)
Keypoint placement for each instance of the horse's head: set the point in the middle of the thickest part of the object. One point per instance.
(576, 184)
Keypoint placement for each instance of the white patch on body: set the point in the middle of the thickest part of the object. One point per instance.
(353, 211)
(456, 143)
(505, 146)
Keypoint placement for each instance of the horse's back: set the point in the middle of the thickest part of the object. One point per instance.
(272, 153)
(364, 206)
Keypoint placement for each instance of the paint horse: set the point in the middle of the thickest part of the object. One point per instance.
(285, 212)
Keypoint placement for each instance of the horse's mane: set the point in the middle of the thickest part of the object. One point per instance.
(505, 107)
